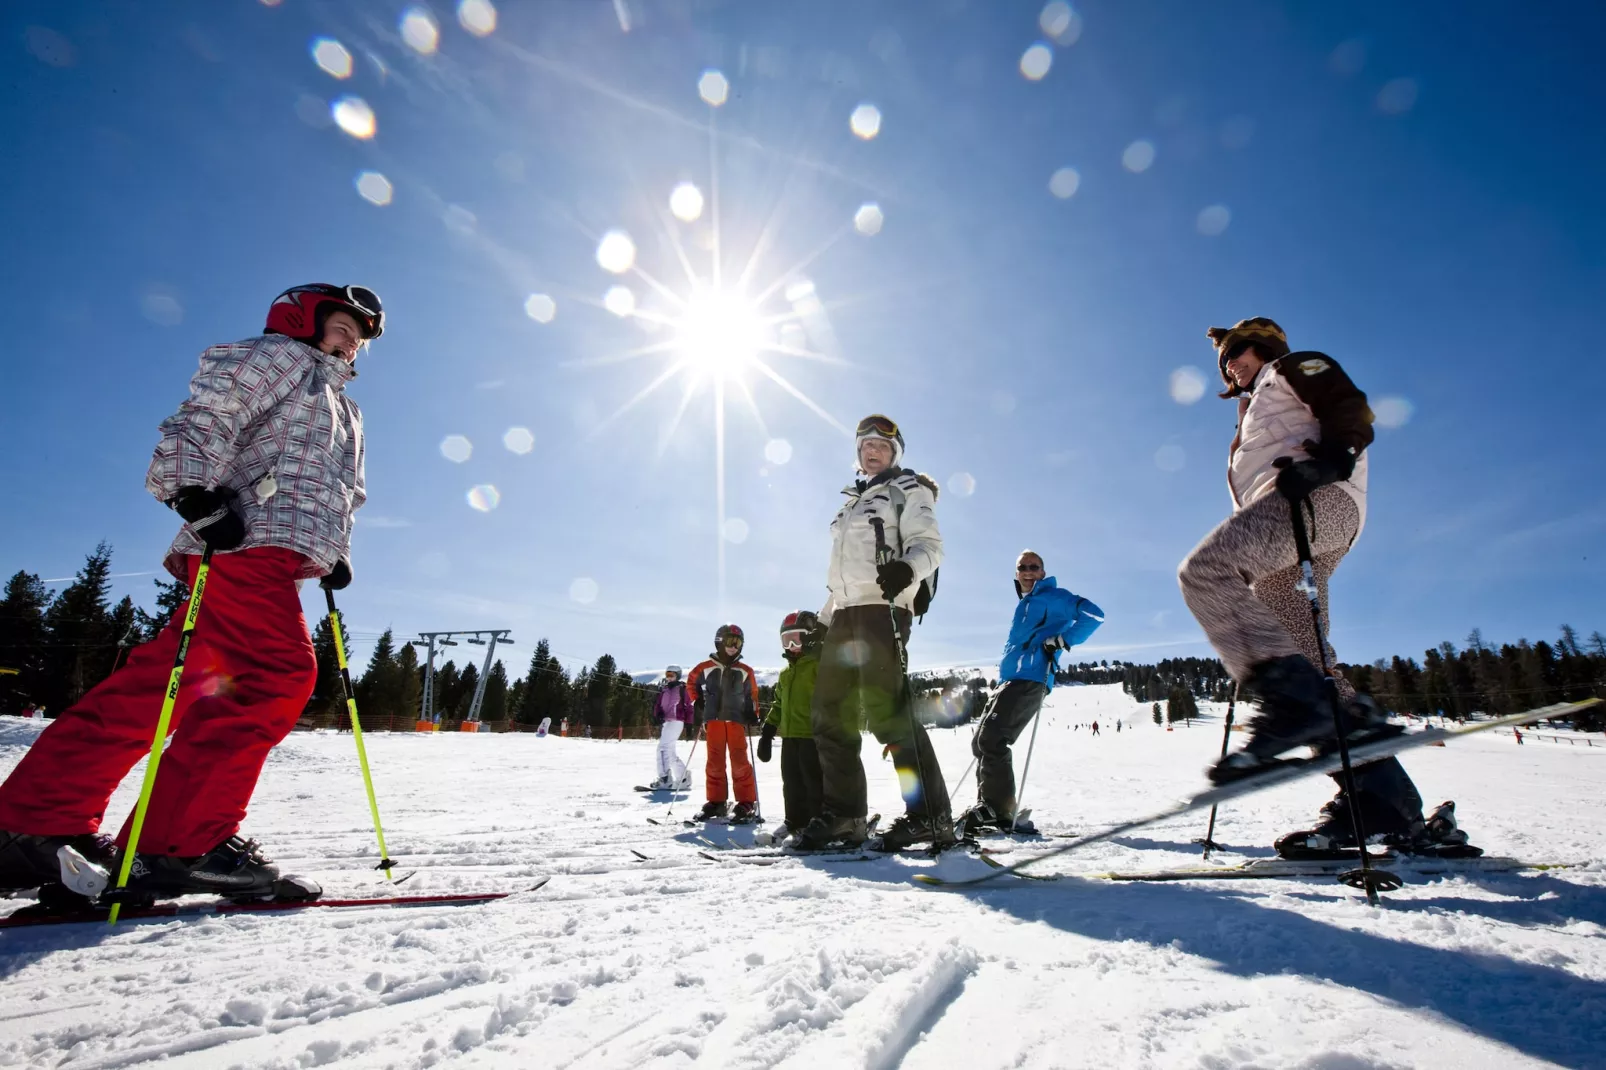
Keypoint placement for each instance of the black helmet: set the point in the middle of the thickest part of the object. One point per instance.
(727, 632)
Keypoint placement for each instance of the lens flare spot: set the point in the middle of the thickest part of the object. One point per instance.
(456, 448)
(620, 300)
(584, 590)
(777, 451)
(1212, 220)
(1060, 23)
(1392, 412)
(1237, 132)
(1064, 182)
(420, 31)
(354, 116)
(865, 122)
(540, 307)
(478, 17)
(853, 653)
(374, 188)
(616, 253)
(1187, 385)
(161, 308)
(1002, 402)
(713, 88)
(909, 785)
(1138, 157)
(331, 57)
(686, 202)
(736, 530)
(1348, 58)
(1035, 62)
(1397, 97)
(868, 219)
(962, 484)
(483, 497)
(518, 440)
(1170, 458)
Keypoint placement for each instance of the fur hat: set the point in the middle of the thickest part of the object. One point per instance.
(1258, 331)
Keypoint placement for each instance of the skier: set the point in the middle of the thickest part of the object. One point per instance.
(264, 462)
(802, 635)
(671, 712)
(724, 695)
(1303, 429)
(1048, 619)
(885, 551)
(1095, 728)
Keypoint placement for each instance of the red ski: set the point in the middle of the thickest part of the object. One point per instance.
(34, 916)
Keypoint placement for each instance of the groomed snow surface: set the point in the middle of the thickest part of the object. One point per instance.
(673, 960)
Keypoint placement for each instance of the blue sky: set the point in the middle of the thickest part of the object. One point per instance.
(1413, 189)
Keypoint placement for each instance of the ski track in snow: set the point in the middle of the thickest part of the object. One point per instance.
(675, 960)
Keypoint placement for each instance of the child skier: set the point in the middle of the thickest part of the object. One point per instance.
(671, 712)
(802, 636)
(724, 695)
(264, 462)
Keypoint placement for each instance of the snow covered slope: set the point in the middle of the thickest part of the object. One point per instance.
(640, 953)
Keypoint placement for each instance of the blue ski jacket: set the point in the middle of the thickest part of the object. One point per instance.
(1048, 617)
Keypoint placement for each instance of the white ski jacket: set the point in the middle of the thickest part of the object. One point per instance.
(906, 506)
(268, 418)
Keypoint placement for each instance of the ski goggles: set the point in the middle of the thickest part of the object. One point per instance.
(877, 425)
(360, 298)
(793, 640)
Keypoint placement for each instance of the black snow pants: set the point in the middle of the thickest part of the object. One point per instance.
(861, 683)
(1007, 716)
(800, 781)
(1390, 803)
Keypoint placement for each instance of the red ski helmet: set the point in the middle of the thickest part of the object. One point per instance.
(729, 632)
(300, 311)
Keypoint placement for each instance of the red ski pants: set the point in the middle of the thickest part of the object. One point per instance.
(249, 673)
(726, 737)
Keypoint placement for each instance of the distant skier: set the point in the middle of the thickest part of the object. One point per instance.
(1095, 727)
(264, 462)
(671, 713)
(724, 694)
(1048, 619)
(802, 635)
(885, 549)
(1303, 429)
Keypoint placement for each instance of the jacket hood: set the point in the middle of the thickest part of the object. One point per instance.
(1042, 584)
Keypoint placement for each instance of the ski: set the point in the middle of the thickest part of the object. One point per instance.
(29, 916)
(770, 858)
(1272, 868)
(1286, 772)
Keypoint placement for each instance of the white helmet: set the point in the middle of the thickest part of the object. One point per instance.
(676, 669)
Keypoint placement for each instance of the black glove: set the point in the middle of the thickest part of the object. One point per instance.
(1325, 465)
(894, 578)
(338, 577)
(213, 515)
(766, 743)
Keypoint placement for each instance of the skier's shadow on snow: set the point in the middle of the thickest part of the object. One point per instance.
(1537, 1009)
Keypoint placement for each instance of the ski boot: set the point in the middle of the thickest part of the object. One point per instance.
(234, 869)
(1438, 837)
(68, 870)
(744, 814)
(1333, 837)
(663, 783)
(827, 829)
(1295, 710)
(983, 819)
(912, 828)
(712, 810)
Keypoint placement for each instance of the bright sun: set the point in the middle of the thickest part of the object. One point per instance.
(720, 332)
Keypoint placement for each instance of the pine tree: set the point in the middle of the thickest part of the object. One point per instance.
(379, 693)
(600, 690)
(172, 596)
(1157, 718)
(323, 709)
(411, 683)
(78, 634)
(546, 688)
(22, 640)
(494, 706)
(462, 695)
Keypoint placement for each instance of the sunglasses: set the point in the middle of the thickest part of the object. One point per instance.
(1028, 568)
(878, 425)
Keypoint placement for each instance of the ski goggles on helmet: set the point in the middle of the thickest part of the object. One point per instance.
(793, 640)
(360, 299)
(877, 425)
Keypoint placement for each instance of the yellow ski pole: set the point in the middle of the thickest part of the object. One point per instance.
(356, 731)
(162, 722)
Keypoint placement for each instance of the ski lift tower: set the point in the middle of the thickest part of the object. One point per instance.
(429, 640)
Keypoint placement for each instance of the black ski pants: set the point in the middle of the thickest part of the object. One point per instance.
(801, 786)
(862, 685)
(1390, 802)
(1007, 716)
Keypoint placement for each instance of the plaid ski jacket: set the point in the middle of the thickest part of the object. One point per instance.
(268, 417)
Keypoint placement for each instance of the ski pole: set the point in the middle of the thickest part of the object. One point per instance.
(1031, 743)
(1209, 842)
(758, 804)
(696, 737)
(1369, 879)
(883, 556)
(385, 862)
(163, 720)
